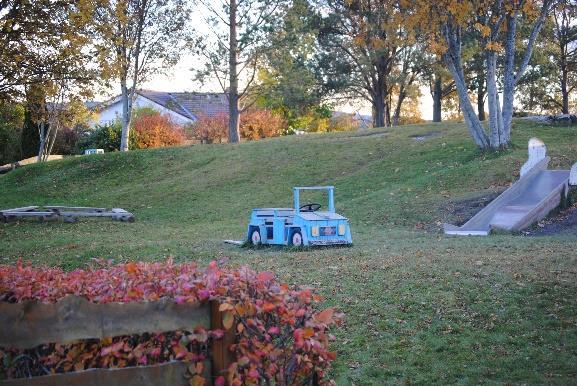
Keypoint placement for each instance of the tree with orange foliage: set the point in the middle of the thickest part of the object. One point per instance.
(494, 25)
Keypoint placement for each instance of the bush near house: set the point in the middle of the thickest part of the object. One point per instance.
(150, 129)
(254, 125)
(211, 129)
(280, 337)
(105, 137)
(259, 124)
(153, 129)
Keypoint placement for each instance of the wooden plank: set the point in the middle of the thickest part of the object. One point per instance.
(222, 357)
(23, 209)
(80, 208)
(25, 325)
(173, 374)
(29, 214)
(88, 214)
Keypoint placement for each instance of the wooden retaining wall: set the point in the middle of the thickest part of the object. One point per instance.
(29, 324)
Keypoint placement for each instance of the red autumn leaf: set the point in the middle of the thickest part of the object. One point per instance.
(228, 320)
(131, 267)
(225, 307)
(325, 316)
(308, 333)
(264, 276)
(197, 380)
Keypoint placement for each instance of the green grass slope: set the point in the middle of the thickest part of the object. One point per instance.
(421, 307)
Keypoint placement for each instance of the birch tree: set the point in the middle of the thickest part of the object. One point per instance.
(494, 24)
(235, 45)
(135, 39)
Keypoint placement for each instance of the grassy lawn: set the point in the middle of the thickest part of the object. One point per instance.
(421, 307)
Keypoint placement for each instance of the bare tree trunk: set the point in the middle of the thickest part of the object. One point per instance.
(492, 100)
(388, 111)
(378, 109)
(234, 111)
(397, 113)
(509, 80)
(126, 115)
(481, 97)
(42, 133)
(437, 99)
(564, 89)
(474, 125)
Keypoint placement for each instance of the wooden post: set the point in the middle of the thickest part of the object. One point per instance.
(222, 357)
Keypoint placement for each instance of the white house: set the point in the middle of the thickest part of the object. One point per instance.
(183, 107)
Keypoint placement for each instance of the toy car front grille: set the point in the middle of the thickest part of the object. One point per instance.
(328, 231)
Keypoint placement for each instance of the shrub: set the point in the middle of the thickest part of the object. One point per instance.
(280, 337)
(66, 141)
(105, 137)
(258, 124)
(254, 124)
(153, 129)
(211, 129)
(343, 122)
(11, 121)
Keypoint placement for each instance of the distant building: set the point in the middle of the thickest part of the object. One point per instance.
(183, 107)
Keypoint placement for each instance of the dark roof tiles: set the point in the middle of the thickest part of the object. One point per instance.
(192, 105)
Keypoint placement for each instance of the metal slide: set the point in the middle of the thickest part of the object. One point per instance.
(527, 201)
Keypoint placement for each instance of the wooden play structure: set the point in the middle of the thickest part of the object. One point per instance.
(66, 213)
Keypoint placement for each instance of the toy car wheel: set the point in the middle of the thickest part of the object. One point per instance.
(255, 237)
(297, 239)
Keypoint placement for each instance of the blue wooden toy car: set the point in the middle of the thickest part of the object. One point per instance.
(304, 225)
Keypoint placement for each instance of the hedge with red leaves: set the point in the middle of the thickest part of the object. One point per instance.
(281, 338)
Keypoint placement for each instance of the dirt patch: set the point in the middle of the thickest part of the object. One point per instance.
(459, 212)
(426, 136)
(564, 222)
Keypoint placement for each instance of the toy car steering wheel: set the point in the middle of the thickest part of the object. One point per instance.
(312, 207)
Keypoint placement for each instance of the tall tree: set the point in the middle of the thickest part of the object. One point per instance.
(135, 39)
(236, 45)
(411, 63)
(288, 80)
(494, 24)
(360, 41)
(565, 53)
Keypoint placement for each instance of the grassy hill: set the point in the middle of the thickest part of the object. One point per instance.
(421, 307)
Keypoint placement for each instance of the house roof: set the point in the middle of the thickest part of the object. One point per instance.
(192, 105)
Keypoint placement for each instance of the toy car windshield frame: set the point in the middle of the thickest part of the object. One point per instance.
(329, 189)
